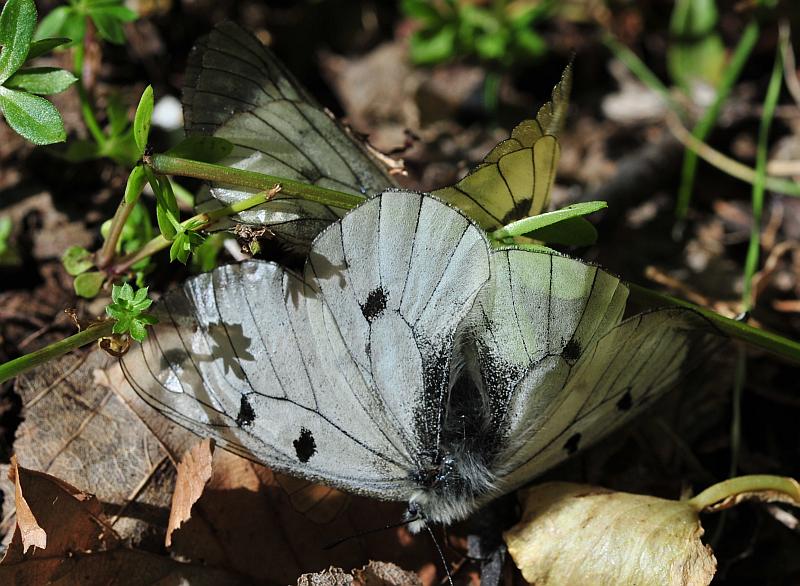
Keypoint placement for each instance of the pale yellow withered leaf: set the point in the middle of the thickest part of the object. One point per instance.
(579, 534)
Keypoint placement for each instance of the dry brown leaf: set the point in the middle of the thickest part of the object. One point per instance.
(55, 517)
(81, 548)
(81, 432)
(578, 534)
(194, 471)
(373, 574)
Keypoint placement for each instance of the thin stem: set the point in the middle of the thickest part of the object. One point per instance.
(167, 165)
(23, 363)
(106, 254)
(193, 224)
(86, 107)
(723, 491)
(726, 164)
(770, 102)
(763, 339)
(642, 71)
(732, 71)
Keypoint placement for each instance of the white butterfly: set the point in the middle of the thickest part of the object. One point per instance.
(411, 361)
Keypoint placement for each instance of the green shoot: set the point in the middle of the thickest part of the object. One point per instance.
(564, 226)
(128, 309)
(107, 16)
(31, 116)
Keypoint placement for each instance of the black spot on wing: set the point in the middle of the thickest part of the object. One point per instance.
(246, 414)
(572, 351)
(375, 304)
(305, 446)
(626, 401)
(572, 444)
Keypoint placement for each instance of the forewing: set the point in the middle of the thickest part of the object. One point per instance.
(233, 358)
(397, 277)
(237, 90)
(515, 179)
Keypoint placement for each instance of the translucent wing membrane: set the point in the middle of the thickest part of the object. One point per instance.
(411, 361)
(237, 90)
(515, 178)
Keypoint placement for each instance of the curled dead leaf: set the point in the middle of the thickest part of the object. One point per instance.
(31, 534)
(578, 534)
(194, 472)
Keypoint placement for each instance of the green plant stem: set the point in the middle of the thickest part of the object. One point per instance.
(168, 165)
(754, 247)
(23, 363)
(772, 342)
(726, 164)
(87, 111)
(722, 491)
(193, 224)
(747, 43)
(106, 254)
(642, 71)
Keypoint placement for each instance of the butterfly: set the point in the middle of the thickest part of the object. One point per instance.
(237, 90)
(411, 359)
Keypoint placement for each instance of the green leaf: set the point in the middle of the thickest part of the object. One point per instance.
(208, 149)
(114, 10)
(120, 293)
(41, 80)
(77, 260)
(421, 10)
(42, 46)
(81, 150)
(32, 117)
(108, 27)
(88, 284)
(5, 229)
(17, 21)
(531, 43)
(183, 245)
(492, 45)
(127, 308)
(205, 257)
(137, 330)
(427, 49)
(141, 122)
(533, 223)
(117, 113)
(53, 25)
(570, 232)
(135, 184)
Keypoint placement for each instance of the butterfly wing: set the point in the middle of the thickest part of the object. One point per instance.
(514, 180)
(237, 90)
(560, 367)
(339, 376)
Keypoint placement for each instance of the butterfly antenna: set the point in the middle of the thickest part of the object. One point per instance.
(439, 549)
(370, 532)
